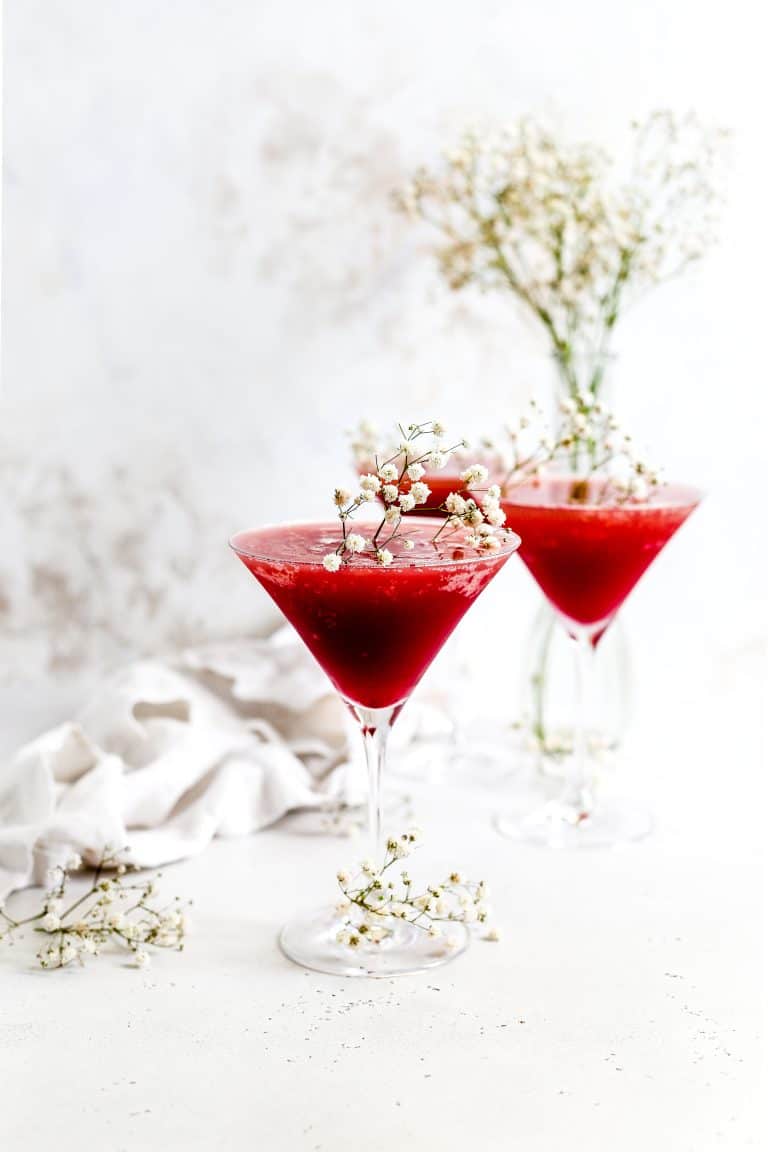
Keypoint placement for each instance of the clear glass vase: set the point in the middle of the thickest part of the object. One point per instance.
(548, 705)
(548, 674)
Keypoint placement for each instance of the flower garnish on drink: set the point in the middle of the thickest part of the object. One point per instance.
(375, 606)
(399, 480)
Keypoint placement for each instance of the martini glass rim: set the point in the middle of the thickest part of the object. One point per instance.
(687, 496)
(507, 547)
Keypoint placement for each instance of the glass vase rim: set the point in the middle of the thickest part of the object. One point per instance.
(506, 548)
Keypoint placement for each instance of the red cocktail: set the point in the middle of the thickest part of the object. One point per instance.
(587, 553)
(374, 629)
(585, 556)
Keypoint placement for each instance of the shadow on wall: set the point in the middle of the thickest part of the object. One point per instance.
(92, 573)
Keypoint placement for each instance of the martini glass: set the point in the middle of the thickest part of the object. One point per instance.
(586, 556)
(374, 630)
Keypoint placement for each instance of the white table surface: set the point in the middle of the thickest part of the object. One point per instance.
(621, 1009)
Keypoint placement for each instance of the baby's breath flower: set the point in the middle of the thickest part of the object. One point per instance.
(572, 234)
(590, 444)
(398, 848)
(638, 488)
(408, 545)
(67, 953)
(341, 497)
(405, 467)
(114, 909)
(477, 474)
(455, 503)
(332, 561)
(141, 959)
(375, 902)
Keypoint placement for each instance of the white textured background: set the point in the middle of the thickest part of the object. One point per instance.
(204, 283)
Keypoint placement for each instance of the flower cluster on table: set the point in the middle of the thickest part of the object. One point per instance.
(116, 909)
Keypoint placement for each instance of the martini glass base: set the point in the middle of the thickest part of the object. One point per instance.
(615, 820)
(310, 940)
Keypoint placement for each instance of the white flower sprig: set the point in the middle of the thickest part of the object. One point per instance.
(570, 233)
(114, 910)
(605, 463)
(373, 902)
(618, 472)
(398, 482)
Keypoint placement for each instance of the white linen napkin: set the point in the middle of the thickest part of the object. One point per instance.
(164, 758)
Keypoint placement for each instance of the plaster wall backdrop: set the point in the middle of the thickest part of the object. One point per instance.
(203, 283)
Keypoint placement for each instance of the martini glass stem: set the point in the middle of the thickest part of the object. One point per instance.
(375, 725)
(577, 797)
